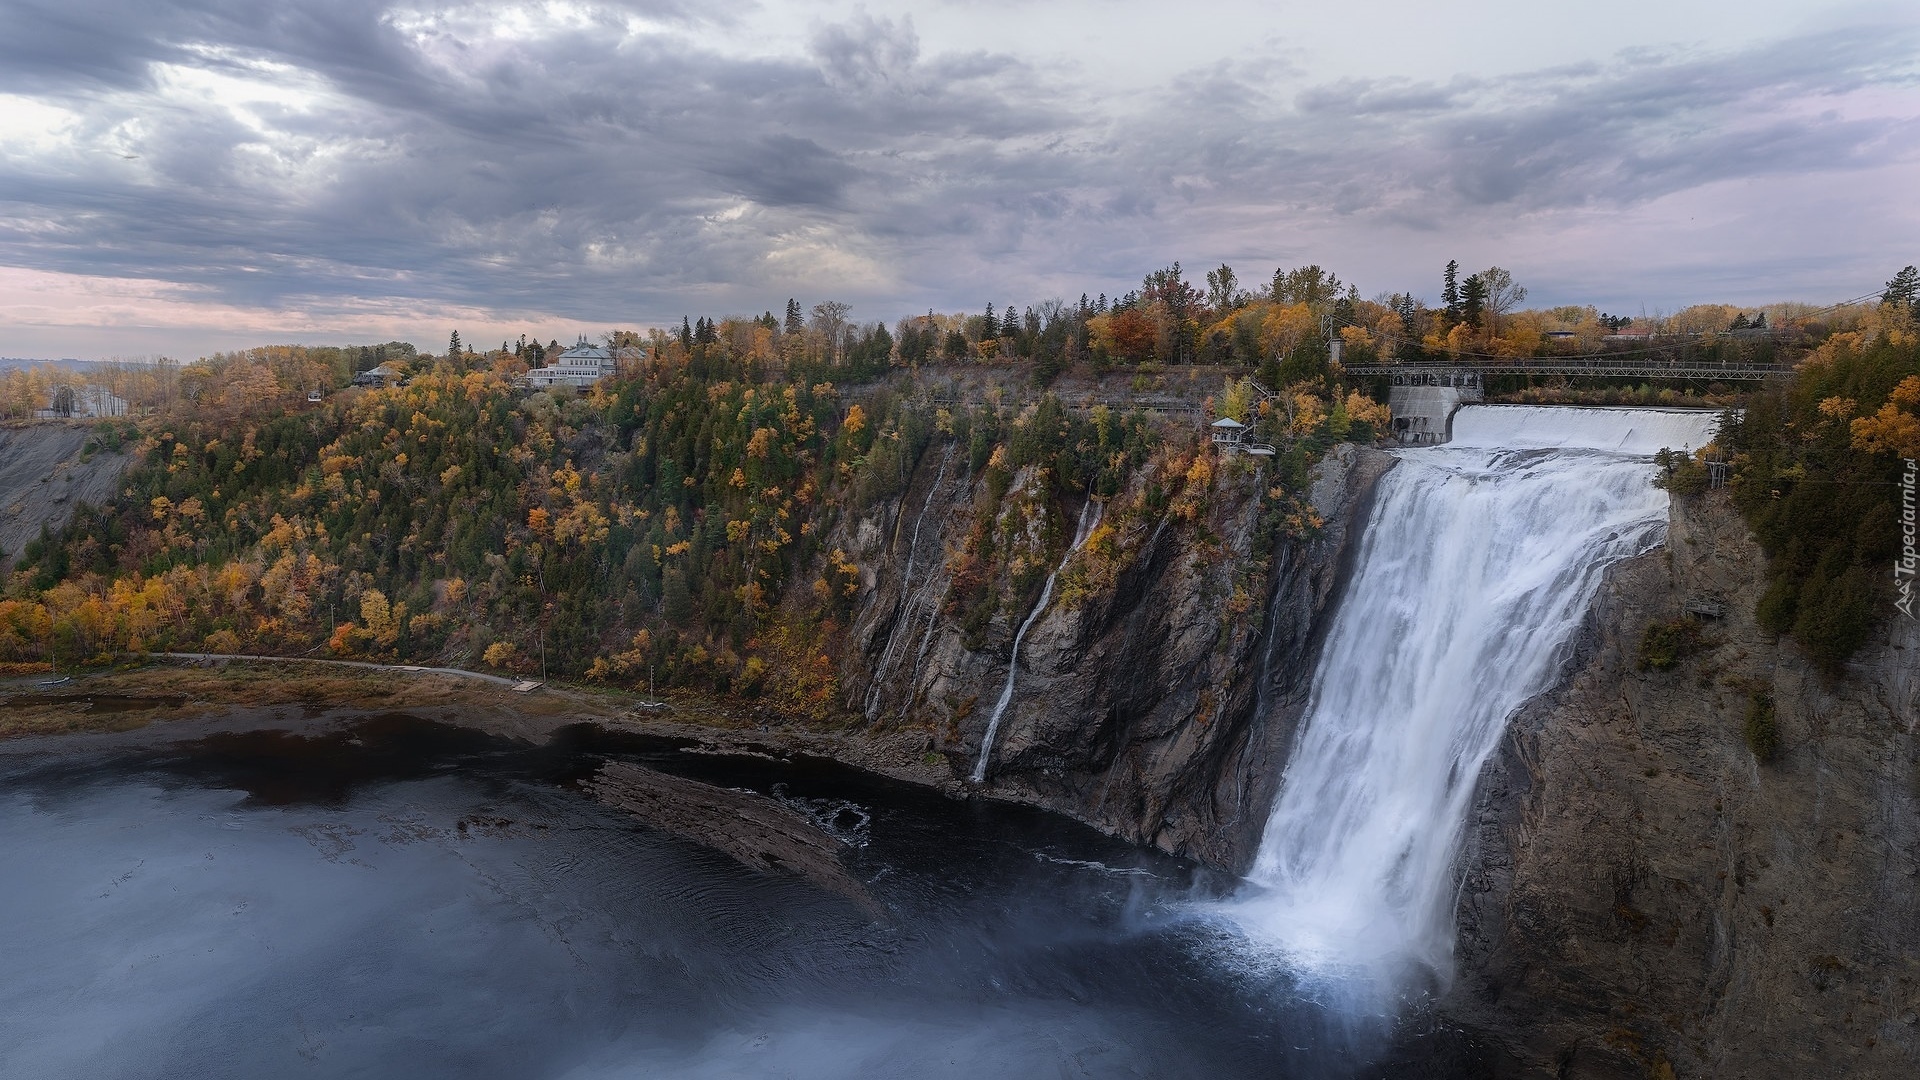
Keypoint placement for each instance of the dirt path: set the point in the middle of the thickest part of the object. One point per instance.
(365, 665)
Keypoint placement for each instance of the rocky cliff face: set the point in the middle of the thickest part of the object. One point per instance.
(44, 475)
(1158, 691)
(1644, 897)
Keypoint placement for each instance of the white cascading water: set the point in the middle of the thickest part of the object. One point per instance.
(1081, 531)
(1477, 565)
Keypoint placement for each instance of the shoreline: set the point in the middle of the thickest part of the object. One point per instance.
(179, 696)
(166, 698)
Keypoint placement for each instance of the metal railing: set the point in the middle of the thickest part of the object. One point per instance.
(1599, 367)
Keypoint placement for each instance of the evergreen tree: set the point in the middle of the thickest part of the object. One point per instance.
(1904, 289)
(1473, 300)
(453, 345)
(1345, 310)
(1408, 345)
(686, 334)
(795, 321)
(1450, 293)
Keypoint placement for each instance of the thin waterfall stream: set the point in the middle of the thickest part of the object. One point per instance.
(1081, 531)
(1479, 561)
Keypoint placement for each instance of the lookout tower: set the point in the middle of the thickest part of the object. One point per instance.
(1230, 434)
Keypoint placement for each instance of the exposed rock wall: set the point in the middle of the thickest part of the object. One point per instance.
(42, 479)
(1640, 894)
(1155, 700)
(1643, 895)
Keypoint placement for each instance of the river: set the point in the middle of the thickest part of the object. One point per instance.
(402, 898)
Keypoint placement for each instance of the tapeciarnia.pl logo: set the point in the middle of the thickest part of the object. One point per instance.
(1909, 561)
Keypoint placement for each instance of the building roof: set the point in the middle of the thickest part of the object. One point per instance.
(583, 353)
(1228, 422)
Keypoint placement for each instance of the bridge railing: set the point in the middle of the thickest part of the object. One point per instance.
(1598, 367)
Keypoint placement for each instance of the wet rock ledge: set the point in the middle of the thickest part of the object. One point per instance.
(762, 833)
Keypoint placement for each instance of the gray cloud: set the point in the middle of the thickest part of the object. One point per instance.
(602, 175)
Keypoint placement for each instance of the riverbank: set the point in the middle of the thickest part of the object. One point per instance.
(245, 693)
(399, 897)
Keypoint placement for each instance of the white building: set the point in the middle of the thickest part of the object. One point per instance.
(384, 375)
(581, 366)
(69, 401)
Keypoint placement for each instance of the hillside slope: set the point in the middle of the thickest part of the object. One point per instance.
(43, 478)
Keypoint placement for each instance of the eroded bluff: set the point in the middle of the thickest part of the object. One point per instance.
(1158, 690)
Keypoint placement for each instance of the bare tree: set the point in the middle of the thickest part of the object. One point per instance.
(1502, 294)
(830, 318)
(1223, 290)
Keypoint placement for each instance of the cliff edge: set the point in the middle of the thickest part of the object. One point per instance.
(1706, 866)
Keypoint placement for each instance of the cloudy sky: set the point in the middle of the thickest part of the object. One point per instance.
(179, 176)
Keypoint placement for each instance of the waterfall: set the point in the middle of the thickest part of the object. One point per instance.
(1081, 531)
(912, 598)
(1478, 563)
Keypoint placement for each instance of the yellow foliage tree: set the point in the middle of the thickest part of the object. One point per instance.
(1285, 327)
(383, 619)
(1894, 429)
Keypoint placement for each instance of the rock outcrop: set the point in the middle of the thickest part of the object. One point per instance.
(1644, 896)
(1156, 696)
(763, 834)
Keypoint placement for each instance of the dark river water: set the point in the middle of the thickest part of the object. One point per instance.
(406, 899)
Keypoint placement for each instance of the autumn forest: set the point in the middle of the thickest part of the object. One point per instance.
(674, 524)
